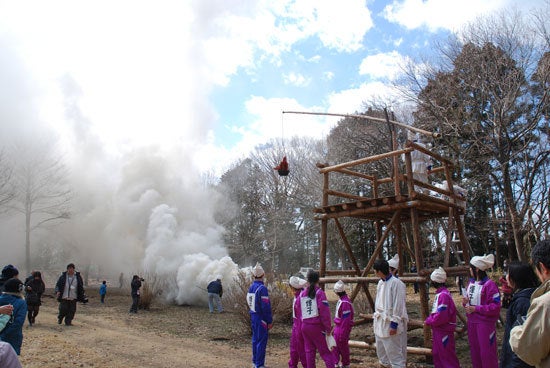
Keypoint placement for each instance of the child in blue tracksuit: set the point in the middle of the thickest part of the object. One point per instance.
(103, 291)
(261, 319)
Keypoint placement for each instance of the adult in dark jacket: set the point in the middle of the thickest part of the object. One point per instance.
(69, 289)
(8, 272)
(34, 288)
(523, 281)
(215, 292)
(13, 332)
(136, 285)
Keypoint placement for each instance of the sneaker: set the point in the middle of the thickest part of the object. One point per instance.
(59, 320)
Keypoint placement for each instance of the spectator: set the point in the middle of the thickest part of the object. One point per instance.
(215, 292)
(13, 332)
(34, 288)
(69, 289)
(390, 317)
(135, 285)
(523, 281)
(8, 356)
(8, 272)
(482, 306)
(261, 319)
(316, 322)
(343, 322)
(103, 291)
(505, 287)
(120, 280)
(442, 320)
(530, 341)
(297, 352)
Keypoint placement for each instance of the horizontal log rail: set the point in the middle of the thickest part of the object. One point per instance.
(410, 349)
(426, 151)
(365, 160)
(369, 280)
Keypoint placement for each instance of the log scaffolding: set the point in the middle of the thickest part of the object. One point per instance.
(405, 201)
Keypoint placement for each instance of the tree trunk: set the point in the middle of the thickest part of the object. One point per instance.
(515, 221)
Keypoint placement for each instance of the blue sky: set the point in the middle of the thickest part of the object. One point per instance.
(209, 76)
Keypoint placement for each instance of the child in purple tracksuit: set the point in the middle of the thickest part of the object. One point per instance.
(442, 320)
(343, 322)
(297, 352)
(316, 322)
(482, 306)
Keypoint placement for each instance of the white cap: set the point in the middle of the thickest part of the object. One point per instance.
(483, 262)
(219, 277)
(394, 262)
(258, 271)
(339, 287)
(439, 275)
(297, 282)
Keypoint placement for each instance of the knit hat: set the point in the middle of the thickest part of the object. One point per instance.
(483, 262)
(339, 287)
(394, 262)
(439, 275)
(13, 285)
(258, 271)
(9, 271)
(297, 282)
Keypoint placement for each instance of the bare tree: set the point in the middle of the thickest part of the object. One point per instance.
(7, 192)
(42, 192)
(490, 99)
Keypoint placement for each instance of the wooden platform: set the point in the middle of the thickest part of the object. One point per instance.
(382, 209)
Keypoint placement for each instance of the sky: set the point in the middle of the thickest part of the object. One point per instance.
(142, 97)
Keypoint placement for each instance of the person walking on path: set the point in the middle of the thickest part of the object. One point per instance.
(390, 317)
(343, 322)
(442, 320)
(297, 352)
(316, 322)
(531, 340)
(12, 295)
(215, 292)
(121, 280)
(135, 285)
(523, 281)
(69, 289)
(34, 288)
(103, 291)
(261, 318)
(482, 307)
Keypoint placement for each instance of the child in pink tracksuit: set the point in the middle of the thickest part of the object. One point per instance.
(297, 352)
(316, 322)
(443, 322)
(482, 306)
(343, 322)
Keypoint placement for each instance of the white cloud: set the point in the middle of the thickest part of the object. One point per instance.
(382, 66)
(446, 14)
(352, 100)
(296, 79)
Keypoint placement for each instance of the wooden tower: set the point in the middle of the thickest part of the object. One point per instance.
(412, 202)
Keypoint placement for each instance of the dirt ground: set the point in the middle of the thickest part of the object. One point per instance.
(105, 335)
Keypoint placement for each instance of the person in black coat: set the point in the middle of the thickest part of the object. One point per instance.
(523, 281)
(34, 288)
(69, 289)
(136, 285)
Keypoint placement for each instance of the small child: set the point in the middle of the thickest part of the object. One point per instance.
(343, 322)
(297, 351)
(442, 320)
(103, 291)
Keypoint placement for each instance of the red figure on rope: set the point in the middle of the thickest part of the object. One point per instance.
(282, 168)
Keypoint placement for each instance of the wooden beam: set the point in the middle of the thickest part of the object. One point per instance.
(365, 160)
(410, 349)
